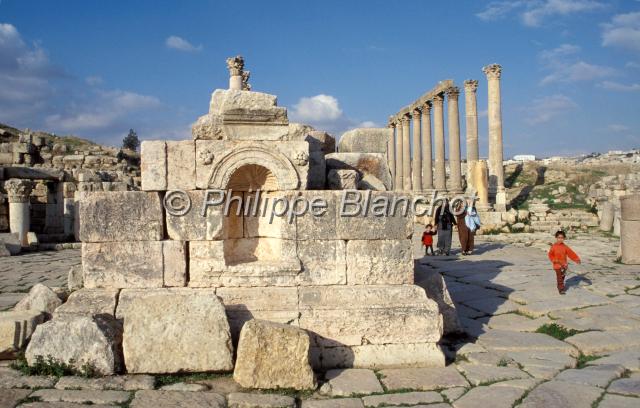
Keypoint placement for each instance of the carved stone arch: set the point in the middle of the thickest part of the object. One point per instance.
(275, 162)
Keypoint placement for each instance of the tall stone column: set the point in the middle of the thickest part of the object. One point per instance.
(455, 170)
(18, 191)
(496, 170)
(427, 160)
(391, 150)
(399, 157)
(471, 115)
(438, 130)
(406, 153)
(416, 163)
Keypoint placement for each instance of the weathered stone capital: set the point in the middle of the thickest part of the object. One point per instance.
(391, 122)
(18, 190)
(453, 92)
(470, 85)
(416, 113)
(405, 118)
(493, 71)
(438, 100)
(245, 81)
(235, 65)
(426, 108)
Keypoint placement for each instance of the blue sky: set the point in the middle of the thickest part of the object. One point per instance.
(570, 84)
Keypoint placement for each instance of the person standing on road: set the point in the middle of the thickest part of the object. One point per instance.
(472, 221)
(444, 222)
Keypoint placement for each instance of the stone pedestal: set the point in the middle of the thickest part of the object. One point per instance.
(496, 170)
(427, 160)
(630, 229)
(416, 163)
(235, 82)
(455, 175)
(438, 128)
(607, 216)
(18, 191)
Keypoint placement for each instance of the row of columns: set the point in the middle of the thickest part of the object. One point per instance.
(426, 170)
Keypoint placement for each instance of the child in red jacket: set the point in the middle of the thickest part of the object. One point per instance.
(427, 239)
(558, 255)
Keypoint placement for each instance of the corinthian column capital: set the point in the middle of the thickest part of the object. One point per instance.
(438, 100)
(453, 92)
(416, 113)
(426, 108)
(470, 85)
(18, 190)
(235, 65)
(405, 118)
(493, 71)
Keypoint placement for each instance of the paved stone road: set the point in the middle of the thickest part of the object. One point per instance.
(503, 294)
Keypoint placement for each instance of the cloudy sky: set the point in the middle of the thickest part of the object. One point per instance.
(571, 68)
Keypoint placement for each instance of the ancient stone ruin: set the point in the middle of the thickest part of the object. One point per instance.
(167, 268)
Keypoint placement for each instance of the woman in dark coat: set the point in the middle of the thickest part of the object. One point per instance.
(444, 223)
(465, 235)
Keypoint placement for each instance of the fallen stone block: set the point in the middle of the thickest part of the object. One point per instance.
(89, 302)
(16, 328)
(11, 243)
(273, 355)
(372, 168)
(365, 140)
(118, 216)
(186, 330)
(40, 298)
(75, 279)
(81, 340)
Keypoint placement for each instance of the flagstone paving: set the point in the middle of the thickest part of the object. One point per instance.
(503, 294)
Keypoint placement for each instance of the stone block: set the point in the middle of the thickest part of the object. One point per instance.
(372, 168)
(193, 226)
(243, 262)
(136, 264)
(174, 330)
(40, 298)
(79, 340)
(357, 315)
(436, 289)
(172, 399)
(317, 176)
(343, 179)
(273, 355)
(16, 328)
(348, 382)
(174, 255)
(181, 165)
(379, 262)
(371, 224)
(324, 262)
(90, 302)
(121, 216)
(365, 140)
(378, 356)
(153, 165)
(74, 278)
(422, 379)
(249, 400)
(630, 207)
(117, 383)
(320, 224)
(93, 397)
(11, 243)
(275, 304)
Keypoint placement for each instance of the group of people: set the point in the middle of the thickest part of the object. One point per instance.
(464, 216)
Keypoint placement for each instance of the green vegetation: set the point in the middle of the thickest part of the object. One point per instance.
(52, 367)
(557, 331)
(168, 379)
(131, 141)
(583, 359)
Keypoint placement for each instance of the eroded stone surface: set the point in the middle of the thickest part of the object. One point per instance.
(423, 379)
(402, 399)
(117, 383)
(90, 302)
(171, 399)
(244, 400)
(273, 355)
(40, 298)
(348, 382)
(82, 396)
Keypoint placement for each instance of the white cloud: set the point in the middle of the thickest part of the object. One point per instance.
(564, 67)
(180, 44)
(319, 108)
(534, 12)
(616, 86)
(93, 80)
(632, 64)
(545, 109)
(623, 31)
(615, 127)
(367, 124)
(110, 108)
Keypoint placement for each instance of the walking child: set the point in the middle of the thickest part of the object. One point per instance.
(427, 239)
(558, 255)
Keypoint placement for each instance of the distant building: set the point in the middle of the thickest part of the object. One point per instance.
(524, 157)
